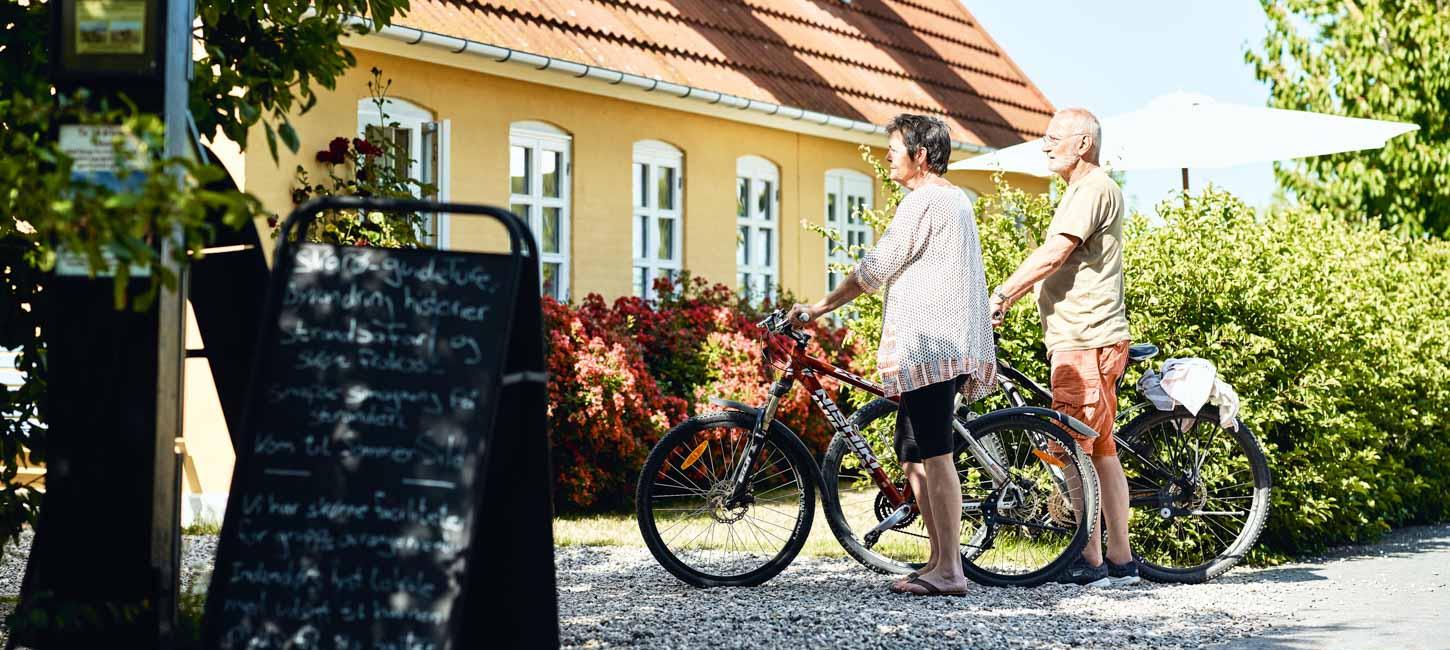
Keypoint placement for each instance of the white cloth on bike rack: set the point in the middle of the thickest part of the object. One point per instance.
(1191, 382)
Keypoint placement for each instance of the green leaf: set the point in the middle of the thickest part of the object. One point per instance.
(271, 141)
(289, 136)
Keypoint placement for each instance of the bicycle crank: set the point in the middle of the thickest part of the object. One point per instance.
(899, 515)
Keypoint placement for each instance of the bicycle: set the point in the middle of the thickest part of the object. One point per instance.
(1210, 492)
(728, 498)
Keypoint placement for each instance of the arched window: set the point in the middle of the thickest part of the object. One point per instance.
(416, 132)
(658, 214)
(757, 240)
(848, 192)
(539, 192)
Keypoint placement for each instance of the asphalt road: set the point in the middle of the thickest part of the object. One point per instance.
(1394, 594)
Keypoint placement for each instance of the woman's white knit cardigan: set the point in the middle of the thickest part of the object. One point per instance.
(936, 326)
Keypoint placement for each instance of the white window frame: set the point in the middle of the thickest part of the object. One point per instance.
(538, 136)
(407, 115)
(655, 156)
(846, 185)
(755, 278)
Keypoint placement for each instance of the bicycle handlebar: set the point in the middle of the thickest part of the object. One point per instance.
(776, 323)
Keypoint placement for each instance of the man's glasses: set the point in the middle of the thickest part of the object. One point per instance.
(1053, 140)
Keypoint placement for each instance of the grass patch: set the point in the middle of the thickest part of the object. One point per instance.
(204, 527)
(622, 529)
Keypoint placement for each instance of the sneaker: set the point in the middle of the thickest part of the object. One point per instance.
(1082, 573)
(1122, 575)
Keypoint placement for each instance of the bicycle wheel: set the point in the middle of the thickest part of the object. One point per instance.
(1199, 493)
(684, 514)
(1015, 532)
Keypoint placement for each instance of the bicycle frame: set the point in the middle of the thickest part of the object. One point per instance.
(803, 368)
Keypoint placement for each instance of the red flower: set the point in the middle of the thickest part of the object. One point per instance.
(366, 148)
(272, 221)
(338, 146)
(361, 241)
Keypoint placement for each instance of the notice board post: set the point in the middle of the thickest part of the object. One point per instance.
(392, 479)
(113, 391)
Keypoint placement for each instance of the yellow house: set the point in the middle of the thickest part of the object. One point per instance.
(640, 138)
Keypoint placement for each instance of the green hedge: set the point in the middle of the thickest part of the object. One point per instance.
(1335, 334)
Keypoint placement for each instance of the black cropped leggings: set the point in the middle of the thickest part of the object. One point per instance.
(924, 421)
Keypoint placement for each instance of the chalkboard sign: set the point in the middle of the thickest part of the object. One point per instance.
(356, 497)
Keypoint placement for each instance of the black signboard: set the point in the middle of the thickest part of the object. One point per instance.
(360, 483)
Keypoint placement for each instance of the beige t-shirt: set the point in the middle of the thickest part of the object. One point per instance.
(1081, 304)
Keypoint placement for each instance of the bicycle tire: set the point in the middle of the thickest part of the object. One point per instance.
(661, 490)
(850, 535)
(1145, 436)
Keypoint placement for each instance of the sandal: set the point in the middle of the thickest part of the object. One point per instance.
(895, 586)
(931, 589)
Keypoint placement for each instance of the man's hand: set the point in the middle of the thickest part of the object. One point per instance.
(794, 315)
(998, 310)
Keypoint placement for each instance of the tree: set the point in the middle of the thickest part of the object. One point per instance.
(260, 62)
(1382, 59)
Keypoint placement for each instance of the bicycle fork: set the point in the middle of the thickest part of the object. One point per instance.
(750, 455)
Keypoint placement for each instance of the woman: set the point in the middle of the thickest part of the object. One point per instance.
(936, 339)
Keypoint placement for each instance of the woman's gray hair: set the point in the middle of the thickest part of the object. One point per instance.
(924, 132)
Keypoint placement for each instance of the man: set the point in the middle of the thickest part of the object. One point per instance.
(1084, 323)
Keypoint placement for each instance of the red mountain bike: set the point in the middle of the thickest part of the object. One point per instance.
(728, 498)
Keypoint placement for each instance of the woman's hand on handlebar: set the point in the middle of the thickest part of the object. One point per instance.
(800, 314)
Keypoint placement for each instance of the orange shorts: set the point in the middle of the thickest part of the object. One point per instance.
(1085, 386)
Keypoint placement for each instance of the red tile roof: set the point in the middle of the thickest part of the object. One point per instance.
(865, 60)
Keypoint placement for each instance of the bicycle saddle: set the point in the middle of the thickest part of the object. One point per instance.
(1141, 352)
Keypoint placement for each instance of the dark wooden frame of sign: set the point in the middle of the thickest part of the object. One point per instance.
(517, 480)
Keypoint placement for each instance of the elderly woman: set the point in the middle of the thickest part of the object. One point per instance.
(936, 341)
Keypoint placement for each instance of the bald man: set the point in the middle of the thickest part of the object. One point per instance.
(1084, 324)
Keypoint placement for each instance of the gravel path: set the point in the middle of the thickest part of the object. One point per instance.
(618, 597)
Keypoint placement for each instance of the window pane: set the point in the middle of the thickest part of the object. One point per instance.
(762, 199)
(666, 188)
(550, 226)
(402, 150)
(520, 209)
(742, 246)
(742, 197)
(853, 203)
(763, 247)
(552, 164)
(831, 216)
(742, 284)
(667, 239)
(832, 280)
(551, 280)
(520, 162)
(641, 185)
(641, 235)
(641, 278)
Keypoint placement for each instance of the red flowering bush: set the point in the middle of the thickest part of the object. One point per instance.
(621, 375)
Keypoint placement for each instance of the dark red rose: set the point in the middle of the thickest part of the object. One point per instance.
(366, 148)
(338, 146)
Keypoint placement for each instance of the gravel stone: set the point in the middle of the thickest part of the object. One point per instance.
(619, 597)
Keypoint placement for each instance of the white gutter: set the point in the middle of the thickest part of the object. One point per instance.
(505, 55)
